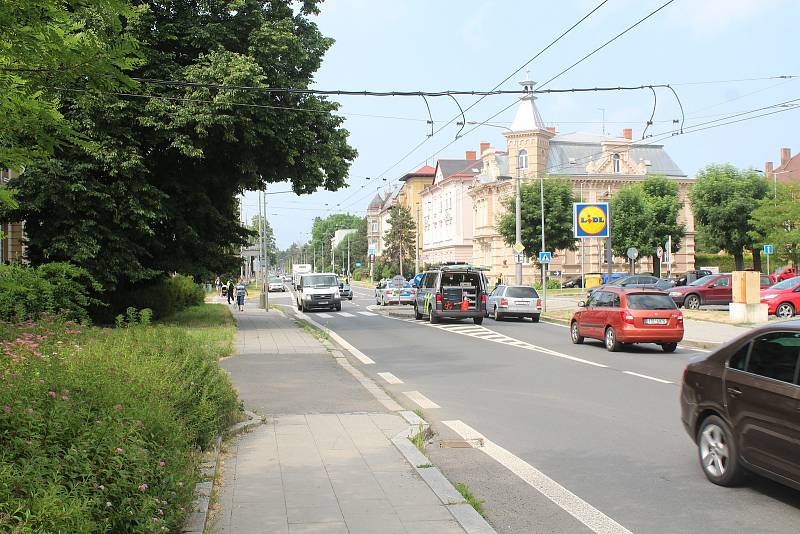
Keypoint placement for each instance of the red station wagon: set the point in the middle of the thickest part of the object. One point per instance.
(619, 315)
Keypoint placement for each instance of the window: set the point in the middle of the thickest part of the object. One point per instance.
(723, 281)
(775, 355)
(374, 228)
(430, 279)
(604, 299)
(615, 162)
(739, 360)
(650, 301)
(522, 293)
(523, 159)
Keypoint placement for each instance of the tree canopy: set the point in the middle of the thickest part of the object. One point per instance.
(400, 239)
(776, 221)
(152, 187)
(723, 198)
(322, 232)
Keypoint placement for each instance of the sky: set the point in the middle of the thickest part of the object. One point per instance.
(425, 45)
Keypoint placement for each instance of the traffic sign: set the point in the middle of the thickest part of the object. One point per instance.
(358, 264)
(660, 252)
(768, 249)
(633, 253)
(518, 248)
(371, 250)
(520, 258)
(545, 257)
(554, 273)
(590, 219)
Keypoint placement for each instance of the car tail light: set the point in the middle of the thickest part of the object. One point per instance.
(438, 297)
(538, 303)
(679, 318)
(626, 317)
(483, 298)
(503, 302)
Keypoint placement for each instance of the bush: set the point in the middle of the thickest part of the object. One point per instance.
(552, 283)
(100, 428)
(725, 262)
(163, 297)
(28, 292)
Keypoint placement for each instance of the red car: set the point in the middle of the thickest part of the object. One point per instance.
(783, 299)
(783, 274)
(711, 289)
(618, 315)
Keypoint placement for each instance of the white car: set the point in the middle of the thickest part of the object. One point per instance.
(276, 284)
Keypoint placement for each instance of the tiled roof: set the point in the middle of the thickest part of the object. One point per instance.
(460, 167)
(425, 170)
(569, 155)
(376, 202)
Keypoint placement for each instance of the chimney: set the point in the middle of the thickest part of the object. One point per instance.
(786, 155)
(551, 129)
(484, 148)
(627, 133)
(768, 169)
(471, 155)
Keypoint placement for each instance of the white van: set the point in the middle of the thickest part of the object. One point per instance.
(318, 290)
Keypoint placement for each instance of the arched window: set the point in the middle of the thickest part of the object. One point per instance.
(615, 160)
(523, 159)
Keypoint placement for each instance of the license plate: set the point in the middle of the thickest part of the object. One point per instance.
(322, 302)
(522, 303)
(655, 321)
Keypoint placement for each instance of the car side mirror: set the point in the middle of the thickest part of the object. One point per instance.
(582, 304)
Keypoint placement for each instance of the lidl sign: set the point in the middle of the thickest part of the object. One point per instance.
(591, 219)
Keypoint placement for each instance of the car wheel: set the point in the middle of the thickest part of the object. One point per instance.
(785, 310)
(338, 307)
(718, 454)
(417, 314)
(432, 317)
(478, 320)
(692, 302)
(612, 344)
(573, 330)
(535, 318)
(669, 347)
(497, 315)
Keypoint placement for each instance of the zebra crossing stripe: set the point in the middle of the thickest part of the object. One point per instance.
(325, 315)
(346, 314)
(368, 314)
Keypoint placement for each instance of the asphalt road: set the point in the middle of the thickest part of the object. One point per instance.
(603, 427)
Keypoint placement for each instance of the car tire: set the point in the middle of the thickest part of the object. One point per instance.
(611, 341)
(535, 318)
(692, 302)
(417, 314)
(432, 317)
(497, 315)
(478, 320)
(669, 347)
(573, 331)
(338, 307)
(718, 452)
(785, 310)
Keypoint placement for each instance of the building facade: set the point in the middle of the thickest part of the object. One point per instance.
(788, 171)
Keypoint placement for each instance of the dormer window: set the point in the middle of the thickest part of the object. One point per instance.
(523, 159)
(615, 163)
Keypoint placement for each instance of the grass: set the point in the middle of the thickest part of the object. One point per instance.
(424, 466)
(470, 498)
(420, 413)
(559, 315)
(322, 335)
(212, 325)
(420, 438)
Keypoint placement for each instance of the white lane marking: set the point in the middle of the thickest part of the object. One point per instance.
(648, 377)
(368, 314)
(325, 315)
(555, 324)
(694, 349)
(390, 378)
(581, 510)
(363, 358)
(346, 314)
(423, 401)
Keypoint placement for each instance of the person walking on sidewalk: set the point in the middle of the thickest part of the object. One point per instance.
(230, 291)
(241, 291)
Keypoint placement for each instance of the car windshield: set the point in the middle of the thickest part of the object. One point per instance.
(320, 280)
(275, 280)
(650, 301)
(522, 293)
(789, 283)
(702, 281)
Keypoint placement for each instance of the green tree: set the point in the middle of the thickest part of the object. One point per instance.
(52, 44)
(558, 229)
(399, 239)
(357, 245)
(269, 237)
(777, 221)
(644, 216)
(322, 232)
(168, 165)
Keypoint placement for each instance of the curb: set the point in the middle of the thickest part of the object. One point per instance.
(697, 344)
(196, 522)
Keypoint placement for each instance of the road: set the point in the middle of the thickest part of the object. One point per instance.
(576, 439)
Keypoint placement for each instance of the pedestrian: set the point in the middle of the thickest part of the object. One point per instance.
(230, 291)
(499, 280)
(241, 291)
(218, 285)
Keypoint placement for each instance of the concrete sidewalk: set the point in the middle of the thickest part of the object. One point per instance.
(324, 461)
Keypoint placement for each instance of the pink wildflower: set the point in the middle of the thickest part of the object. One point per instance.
(28, 410)
(118, 407)
(52, 393)
(7, 408)
(160, 511)
(118, 450)
(143, 487)
(162, 463)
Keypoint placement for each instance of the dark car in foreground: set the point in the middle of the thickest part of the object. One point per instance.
(741, 405)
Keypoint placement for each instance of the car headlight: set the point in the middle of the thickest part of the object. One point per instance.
(336, 295)
(768, 297)
(674, 293)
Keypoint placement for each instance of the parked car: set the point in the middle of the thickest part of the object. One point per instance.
(618, 315)
(783, 299)
(782, 274)
(690, 276)
(637, 281)
(392, 293)
(740, 406)
(276, 284)
(345, 291)
(711, 289)
(514, 301)
(320, 290)
(452, 291)
(573, 282)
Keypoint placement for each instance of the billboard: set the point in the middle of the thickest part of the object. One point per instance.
(590, 219)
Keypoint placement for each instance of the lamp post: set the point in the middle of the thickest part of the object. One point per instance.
(774, 180)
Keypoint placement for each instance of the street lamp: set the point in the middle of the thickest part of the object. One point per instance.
(775, 179)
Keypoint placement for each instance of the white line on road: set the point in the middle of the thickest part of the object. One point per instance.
(648, 377)
(423, 401)
(346, 314)
(584, 512)
(368, 314)
(390, 378)
(325, 315)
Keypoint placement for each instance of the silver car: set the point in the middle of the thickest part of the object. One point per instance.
(514, 301)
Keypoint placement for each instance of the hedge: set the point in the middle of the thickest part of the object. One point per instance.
(165, 297)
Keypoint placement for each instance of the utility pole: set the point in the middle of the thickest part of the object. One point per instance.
(348, 257)
(416, 243)
(266, 255)
(518, 216)
(333, 257)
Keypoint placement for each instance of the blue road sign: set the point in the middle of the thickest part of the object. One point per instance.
(545, 257)
(768, 249)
